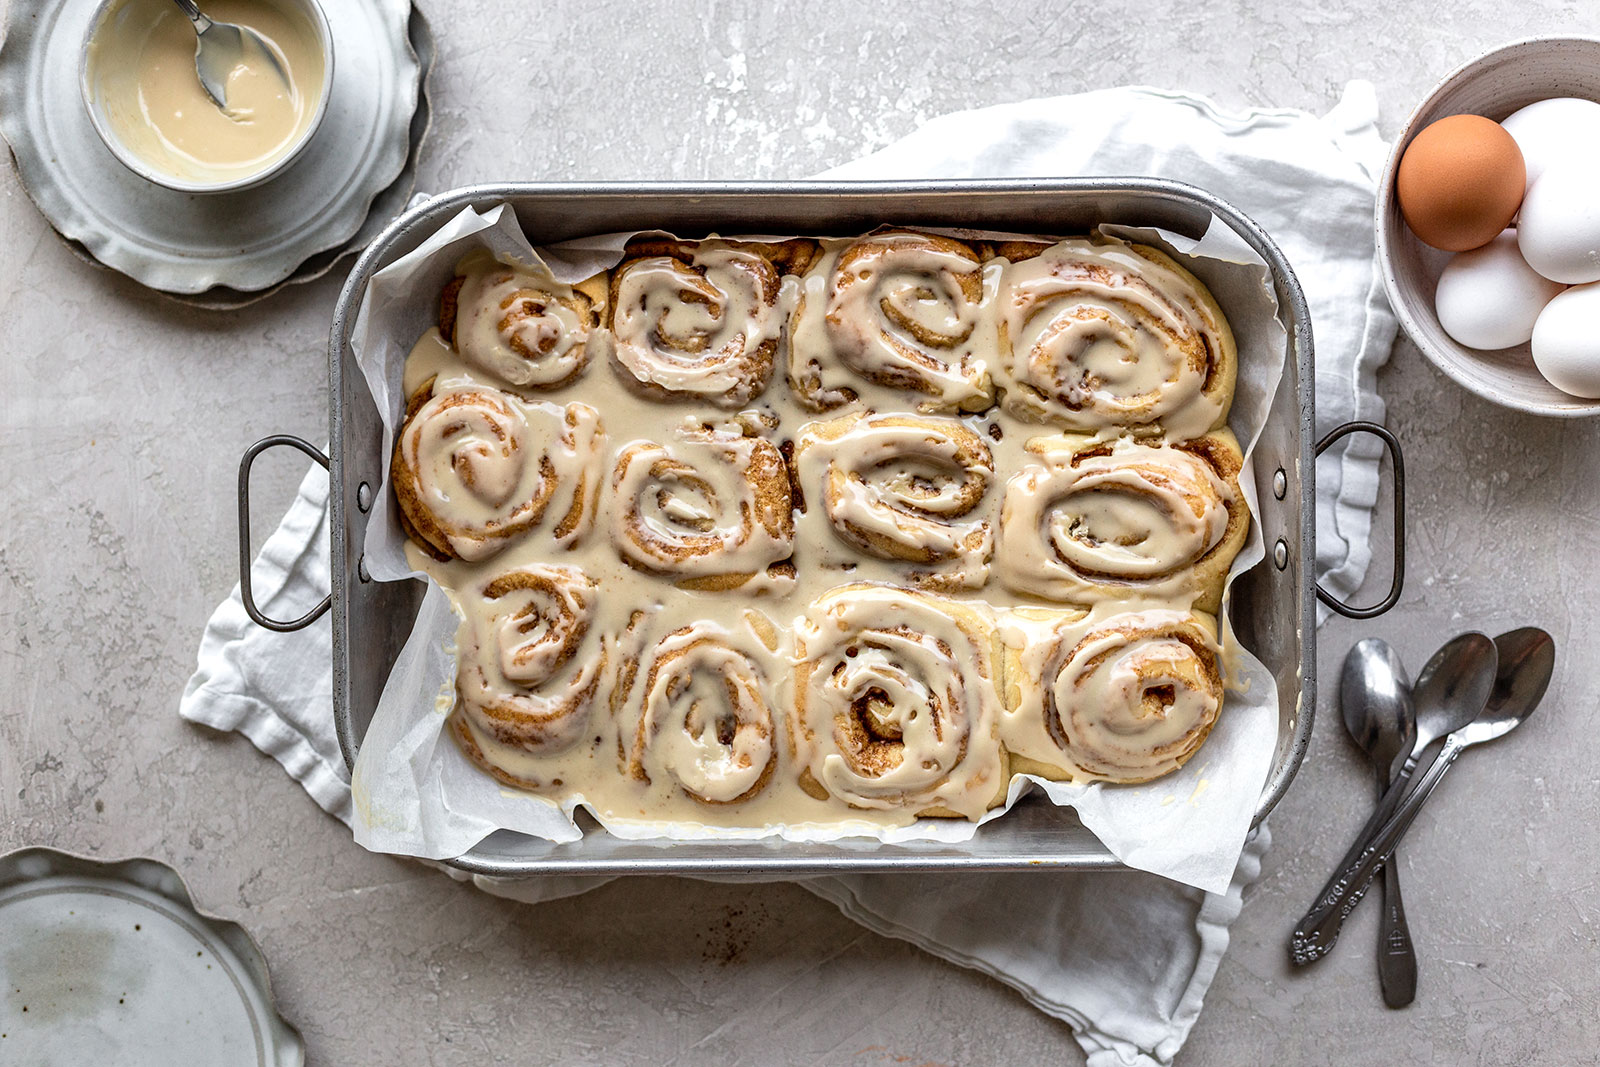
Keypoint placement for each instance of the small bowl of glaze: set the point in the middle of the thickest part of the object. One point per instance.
(1494, 85)
(143, 95)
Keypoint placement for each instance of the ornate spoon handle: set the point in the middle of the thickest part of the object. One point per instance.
(1319, 928)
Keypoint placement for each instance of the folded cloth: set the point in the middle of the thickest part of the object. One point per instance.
(1125, 958)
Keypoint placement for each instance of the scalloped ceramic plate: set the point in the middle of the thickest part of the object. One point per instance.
(183, 243)
(110, 963)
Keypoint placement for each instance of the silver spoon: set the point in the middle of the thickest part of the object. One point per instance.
(1525, 661)
(1375, 702)
(219, 48)
(1457, 678)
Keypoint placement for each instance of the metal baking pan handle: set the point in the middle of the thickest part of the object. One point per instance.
(1392, 444)
(246, 594)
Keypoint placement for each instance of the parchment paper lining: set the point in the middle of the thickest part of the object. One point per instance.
(416, 794)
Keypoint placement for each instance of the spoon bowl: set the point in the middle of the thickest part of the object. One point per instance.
(1375, 702)
(1527, 663)
(1454, 686)
(219, 47)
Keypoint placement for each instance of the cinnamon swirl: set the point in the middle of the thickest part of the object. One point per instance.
(1097, 332)
(517, 323)
(895, 702)
(708, 509)
(696, 716)
(1117, 696)
(531, 668)
(905, 487)
(474, 468)
(697, 320)
(1090, 520)
(904, 310)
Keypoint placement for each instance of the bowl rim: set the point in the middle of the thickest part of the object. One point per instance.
(1584, 407)
(129, 159)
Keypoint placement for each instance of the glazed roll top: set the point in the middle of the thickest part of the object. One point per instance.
(905, 310)
(914, 488)
(696, 714)
(1088, 520)
(1113, 695)
(517, 323)
(697, 321)
(1098, 333)
(708, 508)
(532, 662)
(475, 468)
(895, 701)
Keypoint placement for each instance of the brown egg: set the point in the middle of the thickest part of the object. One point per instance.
(1460, 182)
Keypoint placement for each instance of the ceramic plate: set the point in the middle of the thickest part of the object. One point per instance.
(183, 243)
(110, 963)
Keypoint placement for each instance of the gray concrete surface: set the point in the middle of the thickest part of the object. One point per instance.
(123, 417)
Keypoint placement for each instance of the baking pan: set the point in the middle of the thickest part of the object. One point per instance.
(1272, 606)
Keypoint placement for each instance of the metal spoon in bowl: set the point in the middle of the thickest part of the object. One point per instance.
(1524, 662)
(1375, 703)
(219, 49)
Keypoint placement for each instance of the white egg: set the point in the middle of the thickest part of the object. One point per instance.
(1566, 346)
(1490, 297)
(1559, 228)
(1546, 130)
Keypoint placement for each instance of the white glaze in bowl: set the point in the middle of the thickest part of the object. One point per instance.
(309, 11)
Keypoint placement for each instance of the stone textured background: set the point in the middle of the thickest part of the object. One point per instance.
(124, 415)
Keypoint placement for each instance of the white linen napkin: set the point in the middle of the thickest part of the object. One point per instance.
(1125, 958)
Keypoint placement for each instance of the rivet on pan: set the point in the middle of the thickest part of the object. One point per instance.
(361, 568)
(364, 496)
(1280, 554)
(1280, 485)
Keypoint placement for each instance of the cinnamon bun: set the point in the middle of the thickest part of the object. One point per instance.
(1087, 520)
(697, 320)
(708, 509)
(474, 468)
(532, 665)
(913, 488)
(517, 323)
(1114, 695)
(909, 311)
(895, 702)
(695, 713)
(1097, 332)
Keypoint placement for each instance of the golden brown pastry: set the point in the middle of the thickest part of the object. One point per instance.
(516, 323)
(904, 487)
(695, 713)
(1097, 332)
(708, 509)
(531, 667)
(474, 468)
(1088, 520)
(900, 309)
(895, 703)
(1114, 695)
(698, 320)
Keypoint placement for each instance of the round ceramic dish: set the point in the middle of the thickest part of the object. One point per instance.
(248, 240)
(385, 206)
(87, 82)
(1493, 85)
(110, 963)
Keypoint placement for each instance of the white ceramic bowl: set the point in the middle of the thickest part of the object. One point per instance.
(1493, 85)
(313, 13)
